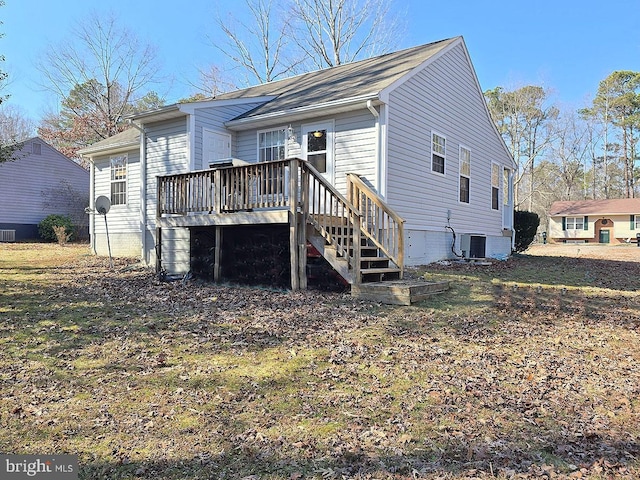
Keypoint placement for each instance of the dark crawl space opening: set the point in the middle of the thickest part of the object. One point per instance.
(256, 255)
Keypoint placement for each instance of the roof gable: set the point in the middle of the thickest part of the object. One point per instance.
(596, 207)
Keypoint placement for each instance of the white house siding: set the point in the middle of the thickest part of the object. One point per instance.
(213, 118)
(24, 180)
(123, 221)
(354, 145)
(443, 98)
(167, 154)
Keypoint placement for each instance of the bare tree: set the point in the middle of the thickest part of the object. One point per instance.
(524, 119)
(15, 126)
(107, 64)
(333, 32)
(260, 46)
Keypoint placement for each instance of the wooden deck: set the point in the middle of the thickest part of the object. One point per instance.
(359, 235)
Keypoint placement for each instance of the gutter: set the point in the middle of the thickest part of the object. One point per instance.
(352, 103)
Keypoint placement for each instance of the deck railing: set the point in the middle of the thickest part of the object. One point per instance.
(269, 185)
(332, 215)
(230, 189)
(380, 224)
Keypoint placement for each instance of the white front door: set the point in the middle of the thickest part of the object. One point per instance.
(215, 146)
(317, 148)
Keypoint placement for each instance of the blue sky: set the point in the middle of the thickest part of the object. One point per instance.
(565, 45)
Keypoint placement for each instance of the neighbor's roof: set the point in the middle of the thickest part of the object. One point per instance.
(126, 139)
(596, 207)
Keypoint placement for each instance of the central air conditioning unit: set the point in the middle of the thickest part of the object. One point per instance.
(7, 235)
(473, 246)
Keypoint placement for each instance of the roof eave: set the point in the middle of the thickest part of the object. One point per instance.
(118, 147)
(301, 113)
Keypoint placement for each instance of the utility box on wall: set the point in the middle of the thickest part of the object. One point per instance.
(473, 246)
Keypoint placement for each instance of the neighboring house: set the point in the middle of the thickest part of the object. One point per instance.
(595, 221)
(40, 181)
(400, 148)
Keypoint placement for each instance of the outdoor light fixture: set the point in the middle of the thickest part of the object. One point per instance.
(291, 134)
(318, 134)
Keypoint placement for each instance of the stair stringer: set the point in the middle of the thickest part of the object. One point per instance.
(330, 254)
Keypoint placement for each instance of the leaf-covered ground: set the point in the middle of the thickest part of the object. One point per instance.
(528, 368)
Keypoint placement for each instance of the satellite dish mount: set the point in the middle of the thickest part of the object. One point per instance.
(103, 205)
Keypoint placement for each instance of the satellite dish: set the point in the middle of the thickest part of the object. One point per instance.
(103, 204)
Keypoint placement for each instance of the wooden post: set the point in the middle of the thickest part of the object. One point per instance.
(294, 224)
(216, 255)
(217, 191)
(302, 229)
(158, 249)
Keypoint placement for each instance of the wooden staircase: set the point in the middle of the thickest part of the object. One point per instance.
(374, 265)
(359, 236)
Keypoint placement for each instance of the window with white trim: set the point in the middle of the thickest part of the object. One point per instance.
(637, 219)
(465, 174)
(119, 180)
(438, 153)
(574, 223)
(495, 186)
(272, 146)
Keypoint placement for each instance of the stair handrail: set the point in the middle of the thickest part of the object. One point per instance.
(347, 241)
(380, 223)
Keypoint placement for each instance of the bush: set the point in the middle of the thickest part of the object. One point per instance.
(46, 227)
(526, 226)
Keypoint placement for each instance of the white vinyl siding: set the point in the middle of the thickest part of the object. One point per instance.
(167, 154)
(444, 98)
(124, 218)
(354, 145)
(213, 118)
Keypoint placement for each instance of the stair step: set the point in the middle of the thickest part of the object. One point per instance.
(370, 271)
(373, 262)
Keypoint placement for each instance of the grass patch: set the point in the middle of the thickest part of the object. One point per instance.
(523, 367)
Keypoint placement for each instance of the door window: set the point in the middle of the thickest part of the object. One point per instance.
(317, 149)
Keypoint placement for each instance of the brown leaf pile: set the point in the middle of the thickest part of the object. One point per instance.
(502, 377)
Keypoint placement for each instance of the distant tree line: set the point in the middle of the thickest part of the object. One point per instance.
(590, 153)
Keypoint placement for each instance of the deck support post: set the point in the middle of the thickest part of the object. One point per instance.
(158, 249)
(217, 255)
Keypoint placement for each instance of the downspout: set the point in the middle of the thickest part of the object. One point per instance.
(92, 190)
(143, 192)
(376, 115)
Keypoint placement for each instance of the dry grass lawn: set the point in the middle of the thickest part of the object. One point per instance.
(528, 368)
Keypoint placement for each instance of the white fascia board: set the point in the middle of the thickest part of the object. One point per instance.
(114, 148)
(302, 112)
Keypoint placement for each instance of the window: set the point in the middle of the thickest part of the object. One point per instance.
(495, 186)
(36, 148)
(119, 180)
(272, 145)
(635, 222)
(317, 149)
(438, 151)
(575, 223)
(465, 174)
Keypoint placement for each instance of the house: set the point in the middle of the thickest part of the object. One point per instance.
(379, 164)
(595, 221)
(40, 181)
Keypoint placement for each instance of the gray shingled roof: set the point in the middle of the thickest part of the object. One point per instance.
(596, 207)
(369, 76)
(352, 80)
(129, 137)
